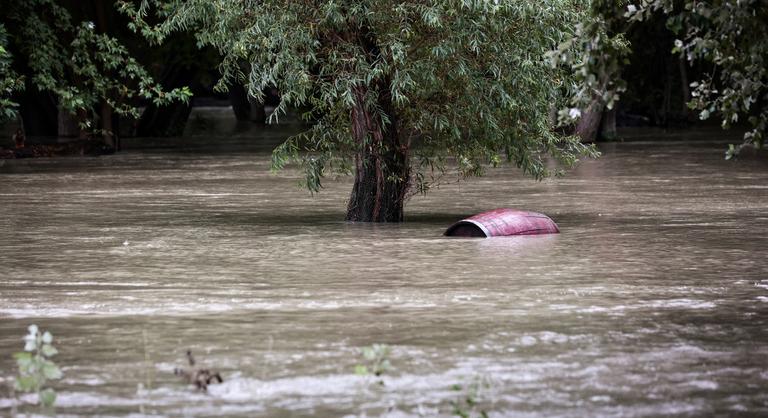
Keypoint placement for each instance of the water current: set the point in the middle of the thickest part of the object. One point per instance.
(653, 301)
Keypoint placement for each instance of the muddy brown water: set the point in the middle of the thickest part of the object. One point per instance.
(653, 301)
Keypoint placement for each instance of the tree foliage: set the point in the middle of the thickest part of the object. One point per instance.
(78, 65)
(452, 78)
(10, 81)
(728, 36)
(596, 54)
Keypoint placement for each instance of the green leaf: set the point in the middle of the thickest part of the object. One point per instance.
(48, 350)
(25, 383)
(22, 356)
(361, 370)
(51, 371)
(24, 363)
(47, 397)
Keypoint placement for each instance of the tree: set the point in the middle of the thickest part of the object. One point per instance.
(90, 73)
(10, 81)
(726, 36)
(731, 38)
(657, 85)
(595, 54)
(393, 88)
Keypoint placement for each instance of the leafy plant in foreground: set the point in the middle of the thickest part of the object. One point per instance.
(467, 403)
(36, 367)
(376, 361)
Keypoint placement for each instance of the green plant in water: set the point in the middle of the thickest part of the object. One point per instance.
(36, 367)
(376, 361)
(467, 405)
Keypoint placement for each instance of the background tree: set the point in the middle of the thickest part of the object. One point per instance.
(732, 39)
(727, 42)
(89, 73)
(10, 81)
(657, 81)
(595, 54)
(393, 88)
(176, 64)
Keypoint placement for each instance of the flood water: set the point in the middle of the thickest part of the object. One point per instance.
(653, 301)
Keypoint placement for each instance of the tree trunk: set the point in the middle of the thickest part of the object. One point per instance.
(666, 106)
(382, 171)
(245, 106)
(589, 124)
(238, 98)
(67, 124)
(107, 130)
(258, 113)
(608, 125)
(686, 90)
